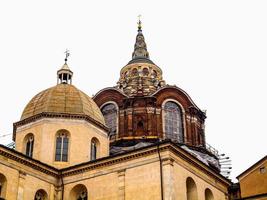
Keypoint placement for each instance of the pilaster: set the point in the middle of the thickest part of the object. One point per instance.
(121, 186)
(168, 182)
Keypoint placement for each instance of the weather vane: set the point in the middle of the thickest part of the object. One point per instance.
(67, 52)
(139, 22)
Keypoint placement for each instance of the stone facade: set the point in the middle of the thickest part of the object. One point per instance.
(135, 175)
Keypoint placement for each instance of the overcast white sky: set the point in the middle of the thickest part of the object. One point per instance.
(215, 50)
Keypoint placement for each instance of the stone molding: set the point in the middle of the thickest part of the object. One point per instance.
(57, 115)
(112, 160)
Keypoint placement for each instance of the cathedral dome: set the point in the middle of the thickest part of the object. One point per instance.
(63, 98)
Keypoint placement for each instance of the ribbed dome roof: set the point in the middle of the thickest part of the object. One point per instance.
(63, 98)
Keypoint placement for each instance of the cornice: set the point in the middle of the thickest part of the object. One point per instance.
(194, 161)
(57, 115)
(112, 160)
(30, 162)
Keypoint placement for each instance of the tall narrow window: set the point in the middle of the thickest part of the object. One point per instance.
(95, 145)
(29, 147)
(93, 150)
(62, 146)
(110, 114)
(29, 144)
(173, 122)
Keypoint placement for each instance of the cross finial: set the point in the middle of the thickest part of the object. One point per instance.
(67, 53)
(139, 23)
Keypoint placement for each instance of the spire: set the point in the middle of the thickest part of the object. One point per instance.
(64, 75)
(140, 49)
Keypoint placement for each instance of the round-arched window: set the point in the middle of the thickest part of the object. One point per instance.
(29, 143)
(173, 125)
(208, 194)
(191, 189)
(40, 195)
(62, 146)
(109, 112)
(95, 145)
(79, 192)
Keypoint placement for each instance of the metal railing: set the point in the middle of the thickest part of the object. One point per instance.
(212, 150)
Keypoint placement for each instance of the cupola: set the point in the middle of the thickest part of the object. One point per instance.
(64, 75)
(140, 77)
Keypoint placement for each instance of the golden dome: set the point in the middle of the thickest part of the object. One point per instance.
(63, 98)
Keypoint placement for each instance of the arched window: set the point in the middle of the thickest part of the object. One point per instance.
(173, 121)
(29, 144)
(62, 146)
(135, 72)
(3, 183)
(79, 192)
(109, 112)
(145, 72)
(40, 195)
(208, 194)
(191, 189)
(94, 148)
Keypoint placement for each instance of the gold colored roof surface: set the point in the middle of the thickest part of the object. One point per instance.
(63, 98)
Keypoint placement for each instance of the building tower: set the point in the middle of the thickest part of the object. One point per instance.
(142, 109)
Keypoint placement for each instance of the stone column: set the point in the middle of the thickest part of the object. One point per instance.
(121, 186)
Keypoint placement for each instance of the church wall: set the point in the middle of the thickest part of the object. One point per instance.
(98, 186)
(11, 176)
(23, 181)
(143, 182)
(182, 170)
(80, 135)
(32, 184)
(138, 178)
